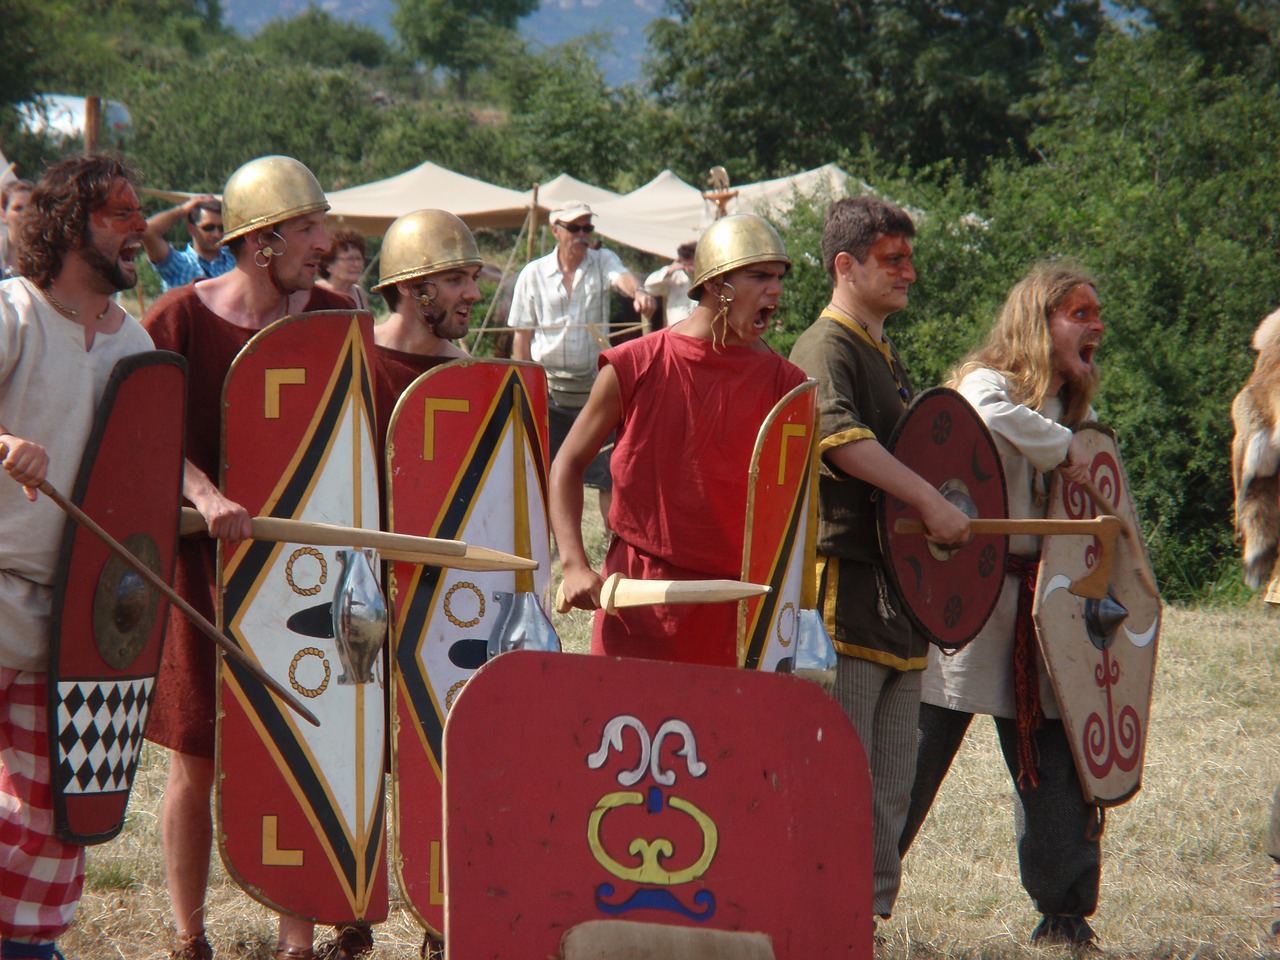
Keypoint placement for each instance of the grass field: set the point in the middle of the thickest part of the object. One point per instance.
(1184, 873)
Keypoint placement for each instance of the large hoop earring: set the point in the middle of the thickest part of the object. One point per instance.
(425, 299)
(265, 253)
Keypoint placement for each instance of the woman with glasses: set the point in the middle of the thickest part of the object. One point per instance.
(343, 265)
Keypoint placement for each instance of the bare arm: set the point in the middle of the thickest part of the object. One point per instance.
(521, 344)
(598, 419)
(153, 240)
(226, 519)
(869, 461)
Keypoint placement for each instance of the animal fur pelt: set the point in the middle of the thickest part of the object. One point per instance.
(1255, 456)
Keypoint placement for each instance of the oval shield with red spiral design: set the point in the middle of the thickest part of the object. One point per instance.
(1101, 660)
(948, 594)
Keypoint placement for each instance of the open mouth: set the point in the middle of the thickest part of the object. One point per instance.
(1086, 353)
(762, 318)
(129, 252)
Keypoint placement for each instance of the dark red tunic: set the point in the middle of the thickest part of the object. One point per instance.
(393, 371)
(183, 712)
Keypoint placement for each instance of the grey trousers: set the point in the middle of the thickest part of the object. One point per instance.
(882, 702)
(1059, 846)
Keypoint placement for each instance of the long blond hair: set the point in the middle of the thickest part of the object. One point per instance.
(1019, 345)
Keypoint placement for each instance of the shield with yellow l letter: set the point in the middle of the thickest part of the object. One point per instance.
(466, 460)
(301, 810)
(779, 538)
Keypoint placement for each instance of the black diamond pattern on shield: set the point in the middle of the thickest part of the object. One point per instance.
(99, 733)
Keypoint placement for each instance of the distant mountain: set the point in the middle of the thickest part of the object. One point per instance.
(555, 22)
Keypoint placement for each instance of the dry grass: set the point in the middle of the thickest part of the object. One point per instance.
(1184, 875)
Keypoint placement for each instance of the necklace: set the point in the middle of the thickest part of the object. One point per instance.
(68, 311)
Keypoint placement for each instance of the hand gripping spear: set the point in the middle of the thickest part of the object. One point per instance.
(153, 580)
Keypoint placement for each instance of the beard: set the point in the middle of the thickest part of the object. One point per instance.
(435, 317)
(1078, 390)
(109, 269)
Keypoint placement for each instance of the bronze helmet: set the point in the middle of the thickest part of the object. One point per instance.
(733, 242)
(267, 191)
(425, 242)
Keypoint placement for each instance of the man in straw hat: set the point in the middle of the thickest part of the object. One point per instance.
(273, 210)
(863, 389)
(687, 403)
(60, 337)
(560, 312)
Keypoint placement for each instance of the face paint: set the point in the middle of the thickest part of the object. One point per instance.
(121, 214)
(115, 238)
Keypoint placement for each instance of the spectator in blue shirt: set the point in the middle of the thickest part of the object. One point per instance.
(202, 257)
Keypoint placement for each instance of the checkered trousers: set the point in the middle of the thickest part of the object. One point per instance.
(40, 876)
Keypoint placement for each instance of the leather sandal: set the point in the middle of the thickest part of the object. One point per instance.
(354, 940)
(294, 953)
(194, 947)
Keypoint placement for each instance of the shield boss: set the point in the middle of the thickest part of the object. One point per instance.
(124, 607)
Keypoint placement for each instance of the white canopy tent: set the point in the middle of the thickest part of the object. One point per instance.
(667, 212)
(772, 198)
(566, 189)
(372, 207)
(657, 217)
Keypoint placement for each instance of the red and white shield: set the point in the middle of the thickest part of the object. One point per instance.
(781, 510)
(466, 460)
(108, 626)
(1101, 655)
(300, 808)
(664, 793)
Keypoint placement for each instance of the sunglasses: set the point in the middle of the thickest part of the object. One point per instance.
(210, 227)
(578, 227)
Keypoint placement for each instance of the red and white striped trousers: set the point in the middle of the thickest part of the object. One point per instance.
(40, 876)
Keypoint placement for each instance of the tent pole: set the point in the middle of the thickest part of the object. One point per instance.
(533, 222)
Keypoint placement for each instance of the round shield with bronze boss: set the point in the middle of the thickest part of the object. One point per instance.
(948, 592)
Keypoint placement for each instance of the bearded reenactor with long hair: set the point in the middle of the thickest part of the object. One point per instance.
(60, 336)
(273, 211)
(1032, 383)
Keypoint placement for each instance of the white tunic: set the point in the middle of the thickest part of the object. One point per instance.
(672, 284)
(979, 679)
(49, 391)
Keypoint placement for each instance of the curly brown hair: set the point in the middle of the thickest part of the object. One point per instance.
(339, 240)
(57, 216)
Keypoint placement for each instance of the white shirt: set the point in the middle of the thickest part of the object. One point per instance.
(568, 331)
(673, 287)
(50, 386)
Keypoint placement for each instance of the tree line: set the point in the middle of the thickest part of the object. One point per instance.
(1139, 139)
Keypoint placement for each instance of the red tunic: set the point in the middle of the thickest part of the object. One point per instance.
(690, 416)
(182, 714)
(393, 371)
